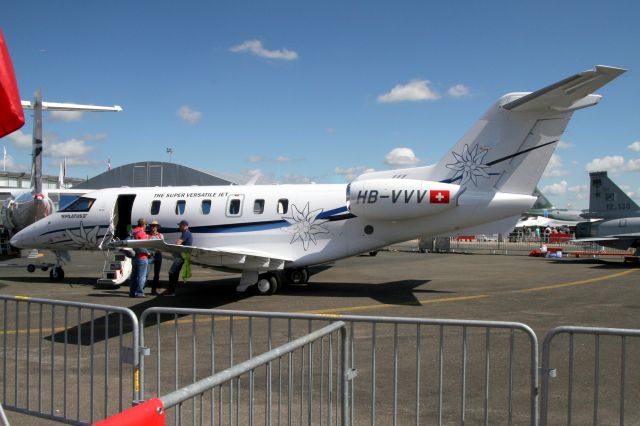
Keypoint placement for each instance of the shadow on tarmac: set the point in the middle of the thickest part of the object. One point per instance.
(209, 295)
(598, 263)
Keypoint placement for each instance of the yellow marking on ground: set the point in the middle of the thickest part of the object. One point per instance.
(335, 312)
(575, 283)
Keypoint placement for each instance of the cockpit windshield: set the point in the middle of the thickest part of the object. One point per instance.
(82, 204)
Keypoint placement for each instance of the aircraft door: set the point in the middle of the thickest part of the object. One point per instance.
(121, 216)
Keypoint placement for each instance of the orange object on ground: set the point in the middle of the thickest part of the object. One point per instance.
(149, 413)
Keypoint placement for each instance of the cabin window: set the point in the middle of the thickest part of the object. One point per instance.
(234, 207)
(155, 207)
(283, 206)
(205, 207)
(258, 206)
(180, 207)
(82, 204)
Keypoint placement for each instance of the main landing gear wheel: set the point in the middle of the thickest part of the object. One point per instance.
(31, 268)
(267, 284)
(298, 276)
(56, 273)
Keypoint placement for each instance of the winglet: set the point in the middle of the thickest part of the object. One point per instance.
(566, 95)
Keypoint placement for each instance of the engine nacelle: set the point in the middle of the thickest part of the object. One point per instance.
(399, 199)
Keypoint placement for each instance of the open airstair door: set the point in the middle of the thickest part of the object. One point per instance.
(121, 217)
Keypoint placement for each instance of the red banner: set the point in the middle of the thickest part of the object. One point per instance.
(149, 413)
(11, 114)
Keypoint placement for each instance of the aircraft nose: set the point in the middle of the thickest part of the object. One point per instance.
(20, 240)
(16, 240)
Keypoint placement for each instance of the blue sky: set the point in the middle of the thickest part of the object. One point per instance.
(297, 90)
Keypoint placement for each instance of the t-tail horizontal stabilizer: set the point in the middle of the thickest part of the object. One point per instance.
(566, 95)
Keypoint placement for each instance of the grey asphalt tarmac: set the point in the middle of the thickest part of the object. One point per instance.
(542, 293)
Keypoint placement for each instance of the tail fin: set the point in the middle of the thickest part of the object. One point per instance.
(510, 146)
(542, 202)
(607, 200)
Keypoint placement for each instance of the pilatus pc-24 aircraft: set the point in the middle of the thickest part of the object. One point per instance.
(272, 233)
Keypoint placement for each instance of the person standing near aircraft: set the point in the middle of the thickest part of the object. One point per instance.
(140, 261)
(157, 256)
(186, 239)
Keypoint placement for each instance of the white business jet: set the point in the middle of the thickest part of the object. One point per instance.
(273, 233)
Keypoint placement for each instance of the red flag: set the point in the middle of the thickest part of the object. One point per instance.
(11, 114)
(439, 196)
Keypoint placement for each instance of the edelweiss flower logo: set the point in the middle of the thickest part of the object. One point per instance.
(83, 238)
(469, 164)
(305, 225)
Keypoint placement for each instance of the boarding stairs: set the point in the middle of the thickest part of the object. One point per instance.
(116, 270)
(5, 247)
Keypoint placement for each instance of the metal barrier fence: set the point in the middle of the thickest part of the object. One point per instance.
(67, 361)
(314, 398)
(482, 372)
(522, 247)
(584, 391)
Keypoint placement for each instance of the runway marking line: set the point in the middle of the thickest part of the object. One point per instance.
(575, 283)
(331, 312)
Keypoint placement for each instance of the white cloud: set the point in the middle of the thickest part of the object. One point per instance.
(20, 140)
(72, 149)
(610, 163)
(255, 158)
(578, 188)
(350, 173)
(282, 159)
(558, 188)
(94, 137)
(330, 130)
(555, 168)
(415, 90)
(565, 145)
(401, 157)
(634, 146)
(11, 165)
(66, 115)
(255, 47)
(77, 161)
(632, 165)
(580, 192)
(458, 91)
(189, 115)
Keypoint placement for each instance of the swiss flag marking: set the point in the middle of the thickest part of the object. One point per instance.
(440, 196)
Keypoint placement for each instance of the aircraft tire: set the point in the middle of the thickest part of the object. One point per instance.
(31, 268)
(56, 273)
(298, 276)
(373, 253)
(267, 284)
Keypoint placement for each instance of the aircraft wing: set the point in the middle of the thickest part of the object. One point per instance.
(62, 106)
(223, 257)
(619, 237)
